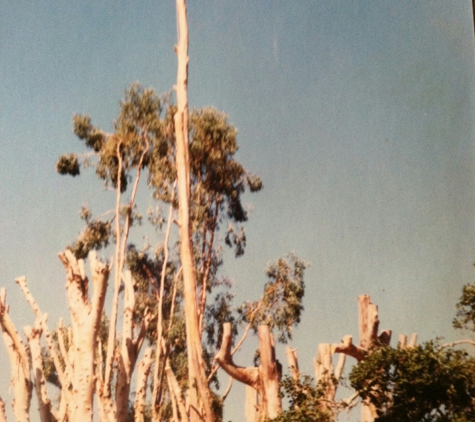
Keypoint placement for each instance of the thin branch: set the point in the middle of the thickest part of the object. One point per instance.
(21, 281)
(456, 343)
(117, 278)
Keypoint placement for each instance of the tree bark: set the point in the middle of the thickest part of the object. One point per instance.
(197, 379)
(33, 335)
(369, 340)
(141, 391)
(264, 379)
(19, 362)
(130, 349)
(293, 362)
(85, 321)
(3, 417)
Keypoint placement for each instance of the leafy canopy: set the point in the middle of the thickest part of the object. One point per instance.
(426, 383)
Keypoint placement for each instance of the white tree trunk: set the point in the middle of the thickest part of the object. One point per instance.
(19, 362)
(264, 379)
(141, 390)
(369, 340)
(86, 317)
(33, 336)
(197, 379)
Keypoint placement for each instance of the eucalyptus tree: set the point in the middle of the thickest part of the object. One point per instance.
(171, 297)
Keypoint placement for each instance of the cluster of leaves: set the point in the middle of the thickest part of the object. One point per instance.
(305, 401)
(466, 309)
(426, 383)
(281, 304)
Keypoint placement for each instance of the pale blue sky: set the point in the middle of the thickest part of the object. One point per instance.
(356, 114)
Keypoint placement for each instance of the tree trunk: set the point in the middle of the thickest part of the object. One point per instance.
(197, 379)
(33, 336)
(141, 391)
(269, 373)
(21, 383)
(264, 379)
(85, 321)
(130, 349)
(369, 340)
(293, 362)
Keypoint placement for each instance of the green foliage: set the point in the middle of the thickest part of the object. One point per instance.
(143, 142)
(216, 173)
(305, 401)
(281, 303)
(68, 164)
(466, 309)
(217, 313)
(425, 383)
(95, 237)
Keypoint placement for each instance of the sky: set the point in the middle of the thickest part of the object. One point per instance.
(357, 115)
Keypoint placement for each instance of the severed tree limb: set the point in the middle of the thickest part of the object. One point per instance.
(293, 362)
(241, 341)
(63, 379)
(33, 335)
(324, 373)
(269, 374)
(340, 366)
(85, 322)
(347, 347)
(248, 376)
(141, 390)
(19, 363)
(264, 379)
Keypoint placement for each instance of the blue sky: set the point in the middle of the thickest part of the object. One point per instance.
(357, 115)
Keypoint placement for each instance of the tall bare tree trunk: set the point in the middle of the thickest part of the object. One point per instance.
(197, 378)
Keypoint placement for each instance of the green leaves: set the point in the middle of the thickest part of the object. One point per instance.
(95, 236)
(466, 309)
(281, 303)
(68, 164)
(83, 129)
(425, 383)
(305, 401)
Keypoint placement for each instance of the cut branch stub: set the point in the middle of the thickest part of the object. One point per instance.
(248, 376)
(265, 379)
